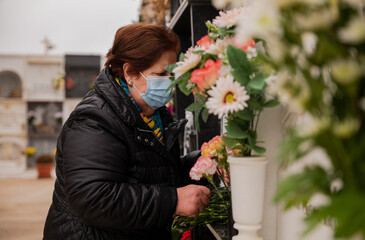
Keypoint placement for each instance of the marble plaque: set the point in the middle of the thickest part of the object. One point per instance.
(44, 119)
(39, 84)
(12, 118)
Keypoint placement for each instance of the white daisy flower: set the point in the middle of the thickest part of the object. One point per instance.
(190, 61)
(226, 97)
(225, 70)
(229, 18)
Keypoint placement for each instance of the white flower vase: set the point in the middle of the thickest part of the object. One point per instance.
(247, 189)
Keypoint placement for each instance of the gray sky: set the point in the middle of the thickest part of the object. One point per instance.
(73, 26)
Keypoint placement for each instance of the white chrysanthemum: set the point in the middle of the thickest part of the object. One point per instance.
(315, 20)
(286, 3)
(354, 32)
(346, 128)
(309, 126)
(219, 46)
(309, 42)
(229, 18)
(355, 3)
(292, 90)
(226, 97)
(190, 61)
(346, 71)
(261, 21)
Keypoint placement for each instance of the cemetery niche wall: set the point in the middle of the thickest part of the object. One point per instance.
(81, 72)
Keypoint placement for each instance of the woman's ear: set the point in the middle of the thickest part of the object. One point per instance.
(127, 72)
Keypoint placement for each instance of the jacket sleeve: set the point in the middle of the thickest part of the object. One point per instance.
(95, 177)
(187, 162)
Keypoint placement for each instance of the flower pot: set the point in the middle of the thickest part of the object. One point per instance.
(247, 189)
(44, 170)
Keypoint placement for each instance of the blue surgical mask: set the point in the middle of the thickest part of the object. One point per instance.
(156, 95)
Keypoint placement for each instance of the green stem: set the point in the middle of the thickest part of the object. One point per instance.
(221, 176)
(210, 179)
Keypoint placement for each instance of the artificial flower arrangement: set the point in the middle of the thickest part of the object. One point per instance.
(213, 166)
(226, 80)
(59, 81)
(58, 116)
(317, 51)
(29, 151)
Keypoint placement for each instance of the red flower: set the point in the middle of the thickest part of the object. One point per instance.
(244, 46)
(186, 235)
(69, 83)
(205, 42)
(207, 76)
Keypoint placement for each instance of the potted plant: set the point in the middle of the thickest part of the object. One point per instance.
(44, 165)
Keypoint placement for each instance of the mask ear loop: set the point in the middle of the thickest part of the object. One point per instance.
(131, 84)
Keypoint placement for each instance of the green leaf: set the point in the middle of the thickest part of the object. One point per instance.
(245, 114)
(271, 103)
(235, 131)
(199, 98)
(297, 189)
(346, 209)
(196, 119)
(181, 57)
(237, 58)
(184, 89)
(259, 150)
(241, 75)
(170, 68)
(192, 107)
(230, 142)
(257, 82)
(205, 115)
(254, 104)
(199, 51)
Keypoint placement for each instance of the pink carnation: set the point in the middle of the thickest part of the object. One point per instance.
(204, 165)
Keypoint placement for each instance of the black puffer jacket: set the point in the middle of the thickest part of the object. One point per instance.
(115, 180)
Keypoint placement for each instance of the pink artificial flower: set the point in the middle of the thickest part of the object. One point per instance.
(171, 109)
(186, 235)
(244, 46)
(204, 165)
(205, 42)
(207, 76)
(209, 149)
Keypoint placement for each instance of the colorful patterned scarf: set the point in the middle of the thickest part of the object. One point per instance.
(154, 121)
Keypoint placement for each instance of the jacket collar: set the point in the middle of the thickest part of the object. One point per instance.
(108, 88)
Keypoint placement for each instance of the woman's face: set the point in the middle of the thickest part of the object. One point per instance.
(157, 69)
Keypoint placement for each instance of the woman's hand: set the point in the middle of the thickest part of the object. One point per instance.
(191, 200)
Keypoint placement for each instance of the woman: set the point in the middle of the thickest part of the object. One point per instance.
(119, 173)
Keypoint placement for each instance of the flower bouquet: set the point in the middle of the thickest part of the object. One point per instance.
(226, 80)
(317, 50)
(213, 166)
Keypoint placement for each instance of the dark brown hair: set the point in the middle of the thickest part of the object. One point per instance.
(141, 45)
